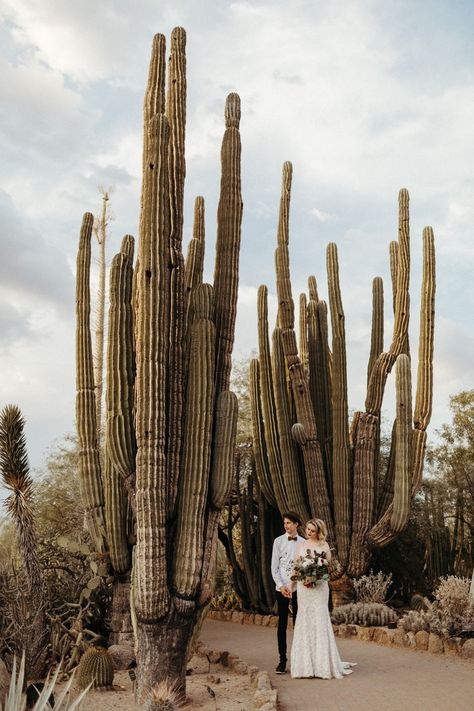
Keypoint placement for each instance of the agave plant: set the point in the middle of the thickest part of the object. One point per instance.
(16, 697)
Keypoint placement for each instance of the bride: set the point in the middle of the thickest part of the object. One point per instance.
(314, 652)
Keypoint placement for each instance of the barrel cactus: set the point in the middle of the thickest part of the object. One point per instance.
(366, 614)
(96, 669)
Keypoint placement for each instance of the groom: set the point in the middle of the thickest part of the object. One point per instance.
(282, 564)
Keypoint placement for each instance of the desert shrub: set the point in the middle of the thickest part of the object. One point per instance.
(366, 614)
(451, 611)
(228, 600)
(372, 587)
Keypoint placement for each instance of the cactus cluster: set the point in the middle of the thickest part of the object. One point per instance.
(95, 669)
(366, 614)
(171, 417)
(308, 458)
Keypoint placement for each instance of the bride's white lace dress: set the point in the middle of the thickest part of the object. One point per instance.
(314, 652)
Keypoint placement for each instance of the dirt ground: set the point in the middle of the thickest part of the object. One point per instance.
(232, 691)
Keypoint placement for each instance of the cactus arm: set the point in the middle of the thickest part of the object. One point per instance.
(92, 492)
(424, 382)
(223, 448)
(262, 466)
(194, 478)
(229, 220)
(306, 434)
(303, 324)
(267, 393)
(152, 597)
(295, 493)
(176, 114)
(341, 459)
(376, 339)
(402, 484)
(120, 431)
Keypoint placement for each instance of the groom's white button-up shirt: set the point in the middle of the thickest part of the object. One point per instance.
(282, 559)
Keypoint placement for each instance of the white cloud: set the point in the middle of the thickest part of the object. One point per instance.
(350, 92)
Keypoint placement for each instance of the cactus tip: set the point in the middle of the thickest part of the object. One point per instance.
(232, 111)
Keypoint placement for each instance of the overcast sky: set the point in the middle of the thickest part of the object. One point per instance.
(364, 97)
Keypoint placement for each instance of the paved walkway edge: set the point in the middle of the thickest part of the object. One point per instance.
(422, 640)
(265, 697)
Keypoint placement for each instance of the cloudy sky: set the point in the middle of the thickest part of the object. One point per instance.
(364, 97)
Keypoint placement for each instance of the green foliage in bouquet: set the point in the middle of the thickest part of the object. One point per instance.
(310, 568)
(366, 614)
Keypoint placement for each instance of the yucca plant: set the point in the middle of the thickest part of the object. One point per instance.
(16, 697)
(16, 477)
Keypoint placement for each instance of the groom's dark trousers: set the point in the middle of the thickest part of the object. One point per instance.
(283, 604)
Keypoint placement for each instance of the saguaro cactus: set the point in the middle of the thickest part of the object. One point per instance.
(340, 464)
(171, 418)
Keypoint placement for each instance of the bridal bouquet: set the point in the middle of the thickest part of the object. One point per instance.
(310, 568)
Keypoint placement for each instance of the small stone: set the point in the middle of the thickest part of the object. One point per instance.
(422, 638)
(351, 630)
(231, 660)
(253, 673)
(467, 649)
(365, 634)
(263, 681)
(435, 644)
(452, 645)
(274, 621)
(342, 630)
(225, 659)
(400, 638)
(266, 621)
(411, 640)
(214, 656)
(240, 667)
(258, 619)
(235, 616)
(381, 636)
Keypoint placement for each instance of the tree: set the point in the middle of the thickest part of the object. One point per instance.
(451, 467)
(100, 230)
(14, 469)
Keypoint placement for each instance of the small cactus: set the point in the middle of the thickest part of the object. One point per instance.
(366, 614)
(164, 697)
(96, 668)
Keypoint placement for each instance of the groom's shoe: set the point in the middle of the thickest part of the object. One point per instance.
(281, 668)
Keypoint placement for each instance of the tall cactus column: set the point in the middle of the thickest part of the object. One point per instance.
(185, 416)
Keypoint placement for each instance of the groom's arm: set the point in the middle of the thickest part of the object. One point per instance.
(276, 575)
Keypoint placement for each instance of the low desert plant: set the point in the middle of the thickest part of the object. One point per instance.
(16, 697)
(366, 614)
(226, 601)
(451, 611)
(372, 587)
(165, 697)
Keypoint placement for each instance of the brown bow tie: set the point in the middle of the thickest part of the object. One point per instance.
(293, 539)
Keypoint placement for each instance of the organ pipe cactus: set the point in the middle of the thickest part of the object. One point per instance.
(171, 418)
(339, 467)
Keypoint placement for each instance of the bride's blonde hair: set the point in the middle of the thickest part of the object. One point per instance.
(320, 526)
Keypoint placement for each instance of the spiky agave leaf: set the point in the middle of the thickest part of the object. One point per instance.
(16, 699)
